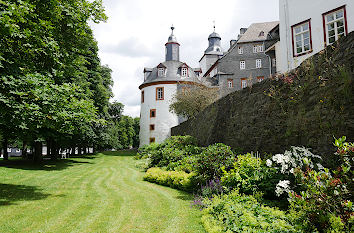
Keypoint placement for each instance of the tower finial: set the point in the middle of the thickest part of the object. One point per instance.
(172, 28)
(214, 25)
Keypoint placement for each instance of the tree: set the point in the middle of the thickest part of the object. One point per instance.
(52, 85)
(190, 101)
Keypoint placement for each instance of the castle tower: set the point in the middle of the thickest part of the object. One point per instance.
(160, 84)
(212, 53)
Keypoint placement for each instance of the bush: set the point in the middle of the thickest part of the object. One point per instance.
(175, 179)
(212, 159)
(171, 150)
(250, 174)
(326, 202)
(241, 213)
(245, 174)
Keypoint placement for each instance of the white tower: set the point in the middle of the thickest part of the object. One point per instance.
(160, 84)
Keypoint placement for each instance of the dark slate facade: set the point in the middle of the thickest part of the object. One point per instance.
(227, 72)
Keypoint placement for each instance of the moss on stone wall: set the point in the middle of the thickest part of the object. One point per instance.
(305, 107)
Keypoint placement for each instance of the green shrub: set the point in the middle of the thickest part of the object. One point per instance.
(212, 159)
(245, 174)
(250, 174)
(241, 213)
(175, 179)
(171, 150)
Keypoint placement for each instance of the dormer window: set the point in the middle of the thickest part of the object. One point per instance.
(261, 33)
(184, 71)
(161, 72)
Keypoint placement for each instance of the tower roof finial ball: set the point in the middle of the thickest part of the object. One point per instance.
(172, 28)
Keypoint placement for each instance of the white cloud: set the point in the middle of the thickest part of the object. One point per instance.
(136, 31)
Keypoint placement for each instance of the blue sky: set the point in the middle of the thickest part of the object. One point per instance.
(136, 31)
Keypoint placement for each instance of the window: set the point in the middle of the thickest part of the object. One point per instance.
(18, 150)
(242, 65)
(274, 62)
(240, 50)
(184, 72)
(159, 93)
(230, 83)
(152, 140)
(243, 82)
(259, 63)
(8, 150)
(257, 48)
(142, 96)
(261, 34)
(260, 78)
(161, 72)
(301, 38)
(152, 127)
(152, 113)
(335, 24)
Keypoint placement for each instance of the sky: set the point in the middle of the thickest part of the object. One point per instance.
(136, 31)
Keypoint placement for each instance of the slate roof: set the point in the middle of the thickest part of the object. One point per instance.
(171, 73)
(253, 32)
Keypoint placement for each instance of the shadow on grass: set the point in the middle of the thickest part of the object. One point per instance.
(131, 152)
(185, 196)
(10, 194)
(47, 165)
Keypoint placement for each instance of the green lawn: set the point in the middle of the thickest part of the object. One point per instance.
(101, 193)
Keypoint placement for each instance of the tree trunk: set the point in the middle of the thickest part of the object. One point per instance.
(24, 150)
(38, 151)
(79, 150)
(5, 145)
(54, 150)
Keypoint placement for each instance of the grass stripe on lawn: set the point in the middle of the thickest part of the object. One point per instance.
(101, 193)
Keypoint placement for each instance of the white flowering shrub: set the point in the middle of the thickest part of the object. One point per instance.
(296, 158)
(283, 187)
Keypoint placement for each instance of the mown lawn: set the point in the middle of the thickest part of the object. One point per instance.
(101, 193)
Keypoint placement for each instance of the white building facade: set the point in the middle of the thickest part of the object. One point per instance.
(307, 27)
(160, 85)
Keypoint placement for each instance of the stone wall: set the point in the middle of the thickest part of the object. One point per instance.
(305, 107)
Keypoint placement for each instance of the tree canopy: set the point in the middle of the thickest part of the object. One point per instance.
(53, 87)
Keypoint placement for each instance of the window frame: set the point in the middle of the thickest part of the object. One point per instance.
(240, 50)
(157, 93)
(142, 96)
(258, 48)
(230, 80)
(159, 73)
(242, 67)
(293, 36)
(185, 73)
(258, 63)
(325, 23)
(243, 80)
(152, 113)
(260, 78)
(152, 140)
(152, 127)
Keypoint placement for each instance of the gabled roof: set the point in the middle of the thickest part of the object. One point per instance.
(253, 33)
(161, 66)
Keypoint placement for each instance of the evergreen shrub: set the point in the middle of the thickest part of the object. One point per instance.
(174, 179)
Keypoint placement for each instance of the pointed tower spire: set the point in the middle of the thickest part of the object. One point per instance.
(172, 47)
